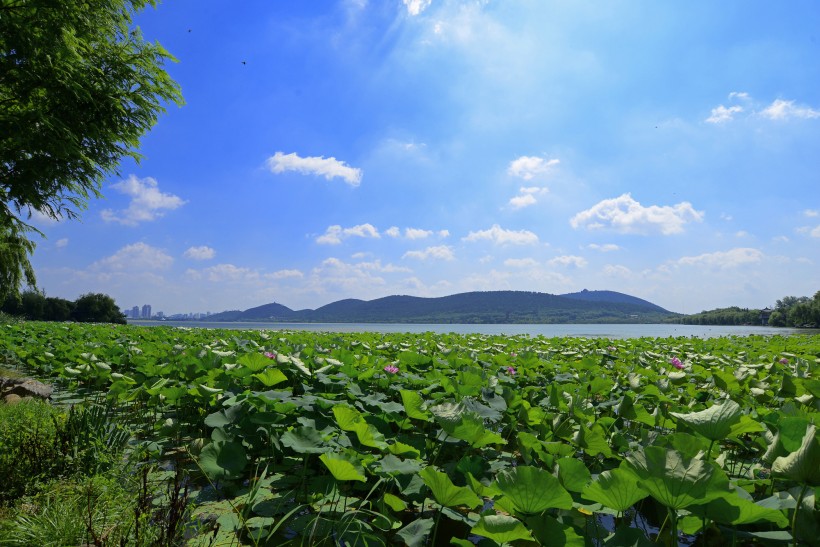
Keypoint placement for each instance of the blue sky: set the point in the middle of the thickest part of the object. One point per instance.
(363, 148)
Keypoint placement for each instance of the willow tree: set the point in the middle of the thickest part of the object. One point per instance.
(79, 87)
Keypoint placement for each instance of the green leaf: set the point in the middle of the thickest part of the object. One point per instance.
(501, 529)
(347, 417)
(802, 465)
(223, 460)
(715, 422)
(549, 531)
(413, 405)
(394, 502)
(304, 440)
(271, 376)
(447, 493)
(573, 474)
(415, 534)
(732, 509)
(616, 489)
(342, 469)
(669, 477)
(532, 490)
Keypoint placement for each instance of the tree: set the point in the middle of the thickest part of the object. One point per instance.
(97, 308)
(78, 89)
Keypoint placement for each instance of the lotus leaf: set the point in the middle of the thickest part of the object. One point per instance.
(445, 492)
(532, 490)
(715, 422)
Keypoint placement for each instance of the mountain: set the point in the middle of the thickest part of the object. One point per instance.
(472, 307)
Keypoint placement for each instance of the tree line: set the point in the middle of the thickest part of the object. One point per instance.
(790, 311)
(88, 308)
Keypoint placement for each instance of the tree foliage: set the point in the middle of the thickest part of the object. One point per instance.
(79, 86)
(36, 306)
(97, 308)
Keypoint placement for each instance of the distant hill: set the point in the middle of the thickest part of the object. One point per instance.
(472, 307)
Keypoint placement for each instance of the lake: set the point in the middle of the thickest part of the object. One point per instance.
(595, 330)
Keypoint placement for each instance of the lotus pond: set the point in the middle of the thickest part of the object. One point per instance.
(307, 438)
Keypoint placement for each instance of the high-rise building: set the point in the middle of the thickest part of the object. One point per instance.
(135, 312)
(146, 311)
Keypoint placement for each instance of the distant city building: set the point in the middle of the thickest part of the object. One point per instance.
(135, 312)
(160, 315)
(146, 311)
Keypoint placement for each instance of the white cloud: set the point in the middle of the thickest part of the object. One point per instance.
(605, 248)
(500, 236)
(439, 252)
(569, 260)
(616, 270)
(741, 233)
(811, 213)
(521, 201)
(527, 167)
(286, 274)
(724, 259)
(723, 114)
(329, 168)
(202, 252)
(60, 243)
(393, 231)
(40, 218)
(136, 257)
(415, 7)
(417, 233)
(335, 234)
(742, 95)
(783, 110)
(229, 272)
(147, 202)
(781, 239)
(625, 215)
(521, 263)
(444, 233)
(815, 232)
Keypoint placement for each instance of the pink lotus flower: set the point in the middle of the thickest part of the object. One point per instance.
(270, 355)
(611, 349)
(511, 371)
(784, 361)
(391, 369)
(675, 362)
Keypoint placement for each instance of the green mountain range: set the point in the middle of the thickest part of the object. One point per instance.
(469, 308)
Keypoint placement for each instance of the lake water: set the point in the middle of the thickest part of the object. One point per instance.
(585, 330)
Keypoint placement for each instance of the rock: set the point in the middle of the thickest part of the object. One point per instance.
(25, 387)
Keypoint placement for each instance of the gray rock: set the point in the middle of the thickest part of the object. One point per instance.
(25, 387)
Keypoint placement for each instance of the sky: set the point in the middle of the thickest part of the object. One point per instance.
(339, 149)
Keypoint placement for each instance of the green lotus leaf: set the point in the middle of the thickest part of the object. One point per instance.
(549, 531)
(573, 474)
(394, 502)
(447, 493)
(715, 422)
(532, 490)
(223, 460)
(669, 477)
(342, 468)
(732, 509)
(792, 430)
(501, 529)
(304, 440)
(271, 376)
(395, 466)
(617, 489)
(414, 405)
(347, 417)
(415, 534)
(802, 465)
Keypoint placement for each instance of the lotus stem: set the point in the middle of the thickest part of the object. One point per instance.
(794, 516)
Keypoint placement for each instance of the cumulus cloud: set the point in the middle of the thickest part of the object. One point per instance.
(286, 274)
(625, 215)
(393, 231)
(136, 257)
(147, 202)
(60, 243)
(500, 236)
(569, 260)
(616, 270)
(335, 234)
(815, 232)
(723, 114)
(784, 110)
(521, 263)
(605, 248)
(202, 252)
(724, 259)
(229, 272)
(439, 252)
(527, 167)
(527, 196)
(415, 7)
(742, 95)
(415, 233)
(811, 213)
(329, 168)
